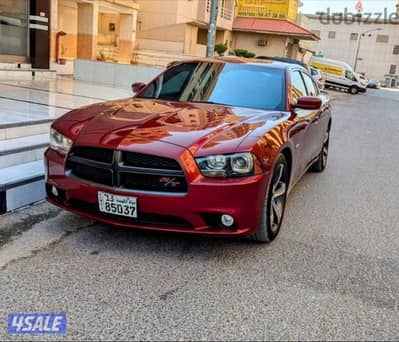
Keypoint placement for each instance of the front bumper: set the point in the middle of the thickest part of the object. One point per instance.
(197, 211)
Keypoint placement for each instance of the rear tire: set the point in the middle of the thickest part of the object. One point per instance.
(353, 90)
(274, 205)
(321, 163)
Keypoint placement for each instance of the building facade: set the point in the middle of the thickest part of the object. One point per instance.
(52, 33)
(265, 27)
(102, 30)
(180, 26)
(25, 32)
(271, 28)
(371, 45)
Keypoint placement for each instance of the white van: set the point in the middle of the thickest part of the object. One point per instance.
(339, 74)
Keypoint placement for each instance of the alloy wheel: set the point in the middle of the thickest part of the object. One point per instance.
(324, 155)
(278, 197)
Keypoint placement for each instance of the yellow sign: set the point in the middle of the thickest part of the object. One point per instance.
(328, 69)
(268, 9)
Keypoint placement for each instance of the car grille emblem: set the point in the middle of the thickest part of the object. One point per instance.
(169, 182)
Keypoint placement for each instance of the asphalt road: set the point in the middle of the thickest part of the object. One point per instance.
(333, 272)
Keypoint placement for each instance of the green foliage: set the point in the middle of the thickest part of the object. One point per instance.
(220, 48)
(244, 53)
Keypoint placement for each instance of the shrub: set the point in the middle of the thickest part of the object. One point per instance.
(244, 53)
(220, 48)
(240, 52)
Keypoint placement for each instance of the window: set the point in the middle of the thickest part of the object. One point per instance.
(350, 75)
(354, 36)
(392, 69)
(226, 9)
(202, 36)
(240, 85)
(331, 35)
(313, 71)
(170, 85)
(382, 38)
(396, 50)
(298, 88)
(310, 86)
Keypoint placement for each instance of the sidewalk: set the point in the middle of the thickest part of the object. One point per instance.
(22, 101)
(27, 109)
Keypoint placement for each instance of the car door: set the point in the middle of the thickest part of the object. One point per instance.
(317, 117)
(301, 124)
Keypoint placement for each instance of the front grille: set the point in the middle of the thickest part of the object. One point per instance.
(144, 219)
(126, 170)
(146, 160)
(93, 174)
(148, 182)
(103, 155)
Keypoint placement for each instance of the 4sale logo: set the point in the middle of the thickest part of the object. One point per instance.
(37, 323)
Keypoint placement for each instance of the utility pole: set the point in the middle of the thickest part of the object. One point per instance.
(357, 51)
(210, 45)
(358, 44)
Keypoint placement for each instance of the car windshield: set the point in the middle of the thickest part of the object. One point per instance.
(241, 85)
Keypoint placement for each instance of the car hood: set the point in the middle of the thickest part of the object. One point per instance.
(201, 128)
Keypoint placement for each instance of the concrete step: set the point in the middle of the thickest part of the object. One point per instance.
(108, 52)
(21, 185)
(22, 150)
(12, 66)
(27, 74)
(24, 129)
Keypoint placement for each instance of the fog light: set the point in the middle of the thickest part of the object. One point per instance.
(227, 220)
(54, 191)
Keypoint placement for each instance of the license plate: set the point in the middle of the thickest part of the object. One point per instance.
(117, 205)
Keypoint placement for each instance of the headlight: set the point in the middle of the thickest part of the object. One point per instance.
(59, 142)
(230, 165)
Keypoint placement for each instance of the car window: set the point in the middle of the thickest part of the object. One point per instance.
(310, 85)
(314, 72)
(242, 85)
(170, 85)
(298, 88)
(350, 75)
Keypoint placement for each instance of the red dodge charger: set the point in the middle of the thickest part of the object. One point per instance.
(210, 146)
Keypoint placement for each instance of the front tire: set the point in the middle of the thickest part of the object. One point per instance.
(274, 205)
(353, 90)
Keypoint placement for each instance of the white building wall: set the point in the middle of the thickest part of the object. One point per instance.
(377, 57)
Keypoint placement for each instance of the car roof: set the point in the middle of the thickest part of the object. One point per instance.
(241, 60)
(282, 59)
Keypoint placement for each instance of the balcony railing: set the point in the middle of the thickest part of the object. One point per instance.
(226, 13)
(225, 8)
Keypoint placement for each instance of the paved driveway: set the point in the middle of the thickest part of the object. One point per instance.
(333, 272)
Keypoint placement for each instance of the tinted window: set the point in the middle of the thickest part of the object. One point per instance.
(298, 88)
(310, 86)
(171, 84)
(242, 85)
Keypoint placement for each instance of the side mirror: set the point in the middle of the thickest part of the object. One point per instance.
(308, 102)
(138, 86)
